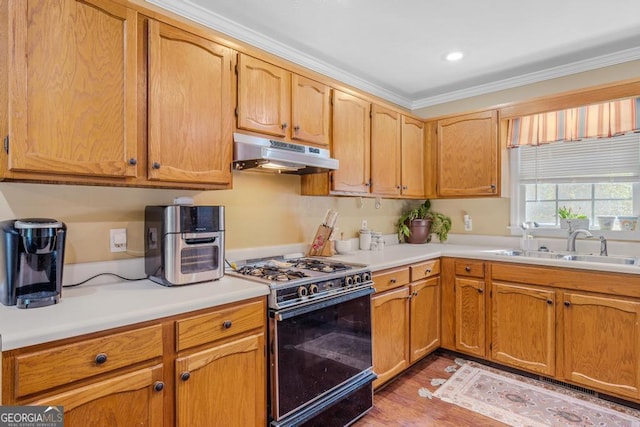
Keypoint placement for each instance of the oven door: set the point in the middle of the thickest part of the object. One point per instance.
(318, 347)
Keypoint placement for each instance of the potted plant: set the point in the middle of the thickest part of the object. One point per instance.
(417, 224)
(572, 220)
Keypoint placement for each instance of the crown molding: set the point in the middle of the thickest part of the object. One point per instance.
(620, 57)
(226, 26)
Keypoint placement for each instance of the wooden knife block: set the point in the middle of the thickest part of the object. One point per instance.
(321, 245)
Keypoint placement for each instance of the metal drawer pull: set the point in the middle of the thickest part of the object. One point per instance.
(480, 291)
(185, 376)
(467, 269)
(101, 358)
(392, 281)
(427, 271)
(567, 303)
(227, 324)
(158, 386)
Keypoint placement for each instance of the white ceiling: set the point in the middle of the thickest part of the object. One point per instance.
(396, 49)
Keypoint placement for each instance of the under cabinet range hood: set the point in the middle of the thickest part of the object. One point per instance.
(268, 155)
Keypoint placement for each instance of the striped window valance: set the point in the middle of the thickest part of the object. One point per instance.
(592, 121)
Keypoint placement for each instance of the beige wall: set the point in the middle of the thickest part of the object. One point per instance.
(261, 210)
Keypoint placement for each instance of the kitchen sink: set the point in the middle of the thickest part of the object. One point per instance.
(566, 256)
(602, 259)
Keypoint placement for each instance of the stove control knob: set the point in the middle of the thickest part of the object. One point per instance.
(366, 276)
(357, 279)
(302, 291)
(348, 281)
(313, 289)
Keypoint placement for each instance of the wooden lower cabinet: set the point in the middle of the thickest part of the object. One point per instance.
(601, 337)
(134, 398)
(470, 316)
(406, 317)
(123, 377)
(425, 318)
(223, 385)
(523, 330)
(390, 333)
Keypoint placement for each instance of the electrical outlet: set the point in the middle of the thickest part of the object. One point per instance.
(364, 224)
(118, 239)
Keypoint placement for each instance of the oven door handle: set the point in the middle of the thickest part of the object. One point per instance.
(313, 306)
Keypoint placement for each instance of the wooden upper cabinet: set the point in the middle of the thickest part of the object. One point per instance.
(72, 87)
(310, 110)
(385, 151)
(468, 155)
(413, 180)
(351, 144)
(263, 97)
(274, 101)
(190, 107)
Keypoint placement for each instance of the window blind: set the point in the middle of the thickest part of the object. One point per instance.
(594, 160)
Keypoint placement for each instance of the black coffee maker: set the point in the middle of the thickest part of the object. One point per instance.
(31, 262)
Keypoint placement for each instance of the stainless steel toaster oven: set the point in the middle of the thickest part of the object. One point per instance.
(184, 244)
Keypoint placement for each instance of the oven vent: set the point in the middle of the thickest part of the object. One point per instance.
(569, 386)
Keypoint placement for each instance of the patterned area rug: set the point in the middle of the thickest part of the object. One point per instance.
(521, 401)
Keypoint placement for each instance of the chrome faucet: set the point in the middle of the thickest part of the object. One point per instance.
(571, 240)
(603, 246)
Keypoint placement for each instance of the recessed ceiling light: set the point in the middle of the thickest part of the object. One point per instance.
(454, 56)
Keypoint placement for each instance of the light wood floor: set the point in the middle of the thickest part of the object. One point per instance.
(398, 403)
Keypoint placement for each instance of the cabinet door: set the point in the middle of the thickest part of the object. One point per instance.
(190, 111)
(224, 385)
(425, 317)
(523, 327)
(351, 143)
(468, 155)
(385, 151)
(310, 110)
(72, 87)
(602, 343)
(135, 398)
(263, 97)
(412, 158)
(470, 316)
(390, 333)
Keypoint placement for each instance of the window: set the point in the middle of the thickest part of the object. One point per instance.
(592, 177)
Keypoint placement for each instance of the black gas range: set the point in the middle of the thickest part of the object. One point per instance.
(304, 280)
(320, 361)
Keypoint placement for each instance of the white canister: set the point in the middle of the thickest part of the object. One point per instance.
(365, 240)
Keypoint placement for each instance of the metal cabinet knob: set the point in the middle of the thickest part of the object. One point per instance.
(133, 161)
(185, 376)
(427, 271)
(550, 302)
(296, 128)
(227, 324)
(101, 358)
(467, 269)
(284, 126)
(567, 303)
(155, 165)
(392, 280)
(158, 386)
(480, 290)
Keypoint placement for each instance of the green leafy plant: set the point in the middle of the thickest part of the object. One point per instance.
(440, 223)
(568, 213)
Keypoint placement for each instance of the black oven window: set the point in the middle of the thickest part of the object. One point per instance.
(320, 350)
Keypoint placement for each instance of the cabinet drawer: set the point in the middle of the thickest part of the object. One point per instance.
(389, 279)
(219, 324)
(67, 363)
(472, 268)
(425, 269)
